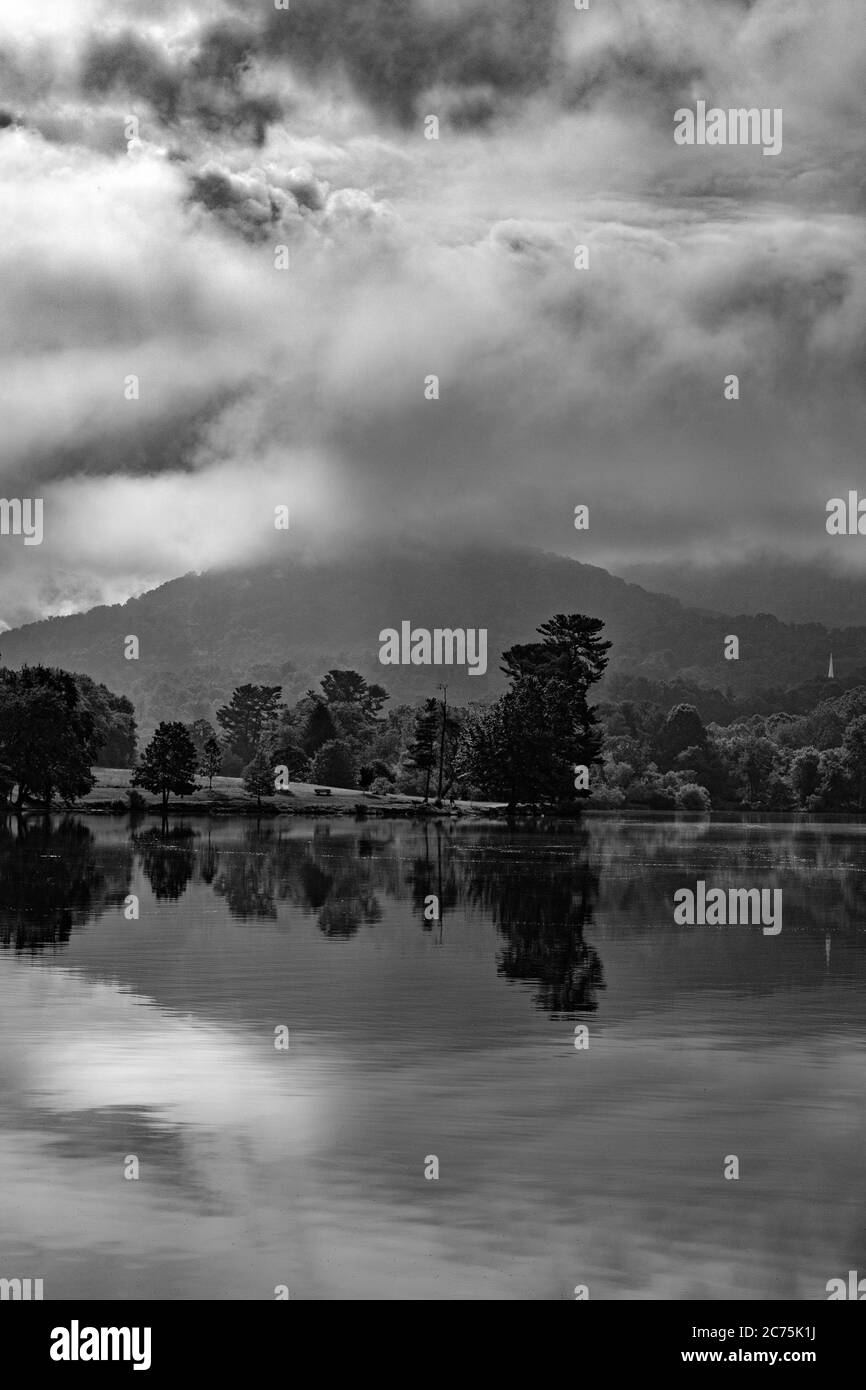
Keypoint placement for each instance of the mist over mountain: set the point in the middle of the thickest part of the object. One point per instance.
(302, 383)
(795, 592)
(202, 634)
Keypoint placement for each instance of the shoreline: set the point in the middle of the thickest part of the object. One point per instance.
(110, 797)
(346, 809)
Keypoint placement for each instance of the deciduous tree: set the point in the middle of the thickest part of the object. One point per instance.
(168, 764)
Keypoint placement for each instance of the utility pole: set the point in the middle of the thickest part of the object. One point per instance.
(439, 880)
(444, 689)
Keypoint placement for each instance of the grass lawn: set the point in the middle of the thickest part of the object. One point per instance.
(114, 783)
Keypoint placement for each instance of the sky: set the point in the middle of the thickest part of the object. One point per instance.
(149, 250)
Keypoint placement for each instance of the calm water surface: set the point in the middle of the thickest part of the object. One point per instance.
(409, 1038)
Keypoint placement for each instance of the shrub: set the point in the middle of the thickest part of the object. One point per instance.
(692, 797)
(292, 757)
(606, 799)
(371, 772)
(334, 765)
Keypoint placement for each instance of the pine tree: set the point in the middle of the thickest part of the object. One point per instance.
(573, 654)
(350, 688)
(526, 746)
(421, 752)
(572, 651)
(251, 710)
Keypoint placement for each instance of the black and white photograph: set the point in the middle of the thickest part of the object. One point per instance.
(432, 661)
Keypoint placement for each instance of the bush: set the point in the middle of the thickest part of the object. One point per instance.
(606, 799)
(651, 796)
(371, 772)
(291, 757)
(380, 787)
(692, 797)
(137, 802)
(334, 765)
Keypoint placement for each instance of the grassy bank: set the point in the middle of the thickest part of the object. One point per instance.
(227, 797)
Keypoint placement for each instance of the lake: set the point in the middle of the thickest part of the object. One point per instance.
(153, 1047)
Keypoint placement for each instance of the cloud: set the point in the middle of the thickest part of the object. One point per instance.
(409, 257)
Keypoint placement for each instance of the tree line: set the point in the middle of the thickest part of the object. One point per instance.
(812, 761)
(522, 749)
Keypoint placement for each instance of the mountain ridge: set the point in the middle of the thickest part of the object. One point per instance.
(770, 583)
(289, 622)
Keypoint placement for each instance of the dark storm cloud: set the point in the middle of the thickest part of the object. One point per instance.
(205, 86)
(256, 201)
(394, 50)
(128, 64)
(168, 444)
(469, 58)
(224, 52)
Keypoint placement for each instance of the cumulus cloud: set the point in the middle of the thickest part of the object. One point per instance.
(154, 256)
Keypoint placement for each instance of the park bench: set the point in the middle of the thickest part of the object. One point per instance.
(322, 791)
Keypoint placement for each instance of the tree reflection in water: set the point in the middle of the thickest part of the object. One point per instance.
(53, 878)
(542, 899)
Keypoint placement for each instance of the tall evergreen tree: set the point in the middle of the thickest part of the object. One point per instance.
(250, 712)
(573, 653)
(350, 688)
(572, 650)
(526, 746)
(421, 752)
